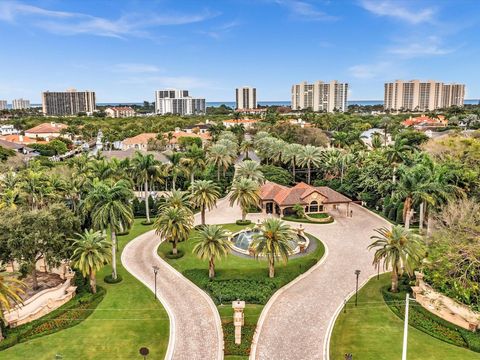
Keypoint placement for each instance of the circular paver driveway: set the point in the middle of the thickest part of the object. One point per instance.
(295, 325)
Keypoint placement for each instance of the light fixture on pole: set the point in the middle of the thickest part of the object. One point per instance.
(357, 273)
(155, 271)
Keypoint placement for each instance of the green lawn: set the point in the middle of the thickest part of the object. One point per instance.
(127, 319)
(373, 332)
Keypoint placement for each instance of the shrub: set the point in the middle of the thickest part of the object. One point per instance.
(147, 223)
(178, 255)
(242, 349)
(243, 222)
(110, 280)
(392, 214)
(399, 218)
(123, 233)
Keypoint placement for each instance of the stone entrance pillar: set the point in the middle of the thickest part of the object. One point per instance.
(238, 320)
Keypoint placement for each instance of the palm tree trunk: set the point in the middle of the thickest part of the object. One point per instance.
(174, 249)
(394, 179)
(271, 267)
(114, 252)
(406, 208)
(203, 215)
(93, 282)
(429, 225)
(174, 182)
(422, 216)
(34, 276)
(308, 174)
(394, 279)
(147, 205)
(211, 268)
(293, 169)
(218, 173)
(192, 179)
(244, 215)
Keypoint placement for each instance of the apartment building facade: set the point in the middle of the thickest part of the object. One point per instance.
(246, 98)
(320, 96)
(3, 104)
(173, 101)
(20, 104)
(416, 95)
(68, 103)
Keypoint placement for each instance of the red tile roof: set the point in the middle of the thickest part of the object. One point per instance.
(139, 139)
(425, 120)
(283, 195)
(47, 128)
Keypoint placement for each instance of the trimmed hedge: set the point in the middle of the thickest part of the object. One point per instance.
(178, 255)
(431, 324)
(110, 280)
(243, 222)
(242, 349)
(146, 223)
(68, 315)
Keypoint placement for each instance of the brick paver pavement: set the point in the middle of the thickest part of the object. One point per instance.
(196, 331)
(295, 326)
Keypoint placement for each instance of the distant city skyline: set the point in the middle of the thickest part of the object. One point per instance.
(126, 50)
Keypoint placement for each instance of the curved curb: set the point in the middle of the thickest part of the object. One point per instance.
(271, 301)
(209, 300)
(331, 324)
(163, 301)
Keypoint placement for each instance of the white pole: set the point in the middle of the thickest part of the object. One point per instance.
(405, 330)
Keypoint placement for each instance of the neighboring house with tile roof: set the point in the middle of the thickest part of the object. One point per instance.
(173, 138)
(119, 111)
(247, 123)
(130, 153)
(22, 139)
(424, 122)
(46, 131)
(280, 200)
(138, 142)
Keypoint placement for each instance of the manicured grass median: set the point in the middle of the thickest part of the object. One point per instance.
(127, 319)
(372, 331)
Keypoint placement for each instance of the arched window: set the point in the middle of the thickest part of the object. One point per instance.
(314, 206)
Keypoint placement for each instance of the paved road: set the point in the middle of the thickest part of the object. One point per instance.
(295, 326)
(195, 327)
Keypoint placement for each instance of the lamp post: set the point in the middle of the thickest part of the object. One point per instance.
(155, 271)
(357, 273)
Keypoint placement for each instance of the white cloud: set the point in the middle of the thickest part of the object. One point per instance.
(430, 46)
(135, 68)
(396, 10)
(220, 31)
(71, 23)
(370, 71)
(305, 10)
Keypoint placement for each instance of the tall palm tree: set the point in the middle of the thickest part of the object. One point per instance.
(397, 153)
(245, 193)
(246, 146)
(109, 205)
(91, 252)
(249, 169)
(219, 156)
(10, 290)
(211, 243)
(193, 162)
(398, 249)
(178, 199)
(290, 156)
(145, 167)
(174, 167)
(272, 242)
(35, 187)
(174, 225)
(204, 196)
(310, 156)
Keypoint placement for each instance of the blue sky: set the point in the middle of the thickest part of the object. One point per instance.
(126, 49)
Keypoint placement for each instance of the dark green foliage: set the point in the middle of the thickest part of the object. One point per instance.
(399, 217)
(139, 207)
(243, 222)
(392, 214)
(109, 280)
(178, 255)
(277, 174)
(54, 147)
(5, 153)
(242, 349)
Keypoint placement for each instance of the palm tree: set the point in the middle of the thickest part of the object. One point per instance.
(109, 204)
(204, 196)
(174, 224)
(10, 290)
(246, 146)
(178, 199)
(145, 167)
(272, 242)
(174, 167)
(193, 162)
(397, 153)
(211, 243)
(220, 157)
(91, 252)
(290, 156)
(310, 156)
(249, 169)
(245, 193)
(398, 249)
